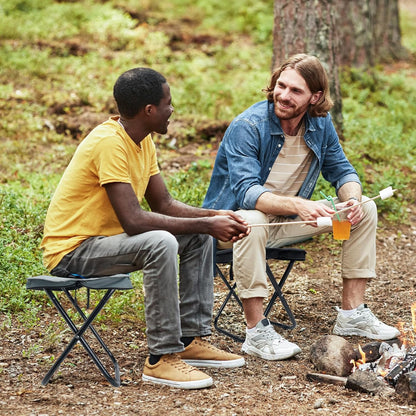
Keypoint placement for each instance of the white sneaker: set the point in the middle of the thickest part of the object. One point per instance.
(364, 324)
(266, 343)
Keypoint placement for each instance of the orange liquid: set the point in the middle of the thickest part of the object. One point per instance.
(341, 229)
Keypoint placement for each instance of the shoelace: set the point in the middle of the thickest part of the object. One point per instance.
(180, 365)
(370, 317)
(270, 334)
(205, 344)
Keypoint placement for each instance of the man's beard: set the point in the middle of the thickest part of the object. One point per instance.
(289, 112)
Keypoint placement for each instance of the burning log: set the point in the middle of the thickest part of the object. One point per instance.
(372, 350)
(403, 367)
(406, 386)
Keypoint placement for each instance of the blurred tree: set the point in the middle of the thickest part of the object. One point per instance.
(340, 33)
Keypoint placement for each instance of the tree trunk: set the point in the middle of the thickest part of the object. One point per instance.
(300, 28)
(387, 33)
(358, 33)
(369, 31)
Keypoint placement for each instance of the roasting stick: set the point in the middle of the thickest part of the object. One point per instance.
(322, 221)
(327, 221)
(384, 194)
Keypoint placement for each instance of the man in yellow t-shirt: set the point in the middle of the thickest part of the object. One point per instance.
(95, 226)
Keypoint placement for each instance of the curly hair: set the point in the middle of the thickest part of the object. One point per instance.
(314, 74)
(136, 88)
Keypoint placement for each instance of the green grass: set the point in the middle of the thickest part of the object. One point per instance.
(59, 61)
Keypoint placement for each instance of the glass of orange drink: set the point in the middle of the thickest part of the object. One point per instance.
(341, 227)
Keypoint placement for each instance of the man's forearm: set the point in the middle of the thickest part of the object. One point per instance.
(179, 209)
(350, 190)
(273, 204)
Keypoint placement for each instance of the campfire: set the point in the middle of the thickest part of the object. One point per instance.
(377, 367)
(394, 360)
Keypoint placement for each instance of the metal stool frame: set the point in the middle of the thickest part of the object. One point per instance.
(51, 284)
(291, 255)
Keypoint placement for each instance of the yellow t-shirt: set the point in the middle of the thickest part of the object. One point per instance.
(80, 207)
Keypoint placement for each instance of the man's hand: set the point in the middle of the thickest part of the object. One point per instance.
(311, 210)
(355, 214)
(228, 226)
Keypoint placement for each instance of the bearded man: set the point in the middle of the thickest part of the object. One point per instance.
(266, 169)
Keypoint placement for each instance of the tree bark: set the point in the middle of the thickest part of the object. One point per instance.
(303, 27)
(358, 33)
(369, 31)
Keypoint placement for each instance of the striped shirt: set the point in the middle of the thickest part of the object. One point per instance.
(291, 165)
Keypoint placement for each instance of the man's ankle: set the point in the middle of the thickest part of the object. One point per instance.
(187, 340)
(154, 359)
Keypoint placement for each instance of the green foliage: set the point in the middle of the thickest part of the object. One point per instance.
(59, 61)
(23, 206)
(190, 186)
(380, 136)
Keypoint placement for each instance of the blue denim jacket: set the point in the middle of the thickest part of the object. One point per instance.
(249, 148)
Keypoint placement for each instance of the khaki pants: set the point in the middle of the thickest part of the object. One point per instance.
(249, 257)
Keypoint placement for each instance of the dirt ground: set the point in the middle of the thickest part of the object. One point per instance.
(259, 388)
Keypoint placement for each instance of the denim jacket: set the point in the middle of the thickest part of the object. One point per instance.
(249, 148)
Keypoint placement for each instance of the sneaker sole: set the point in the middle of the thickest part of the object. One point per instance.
(188, 385)
(216, 363)
(271, 357)
(360, 333)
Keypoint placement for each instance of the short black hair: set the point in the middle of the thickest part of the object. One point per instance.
(136, 88)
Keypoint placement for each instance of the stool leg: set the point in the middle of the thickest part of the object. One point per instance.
(79, 337)
(278, 294)
(231, 293)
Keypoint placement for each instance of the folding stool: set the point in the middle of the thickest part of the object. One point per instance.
(51, 284)
(225, 257)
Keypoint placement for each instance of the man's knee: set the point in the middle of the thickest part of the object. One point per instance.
(163, 242)
(370, 211)
(258, 235)
(253, 216)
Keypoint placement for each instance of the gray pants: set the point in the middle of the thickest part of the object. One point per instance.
(169, 313)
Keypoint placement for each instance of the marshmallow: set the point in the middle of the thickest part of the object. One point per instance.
(386, 193)
(324, 221)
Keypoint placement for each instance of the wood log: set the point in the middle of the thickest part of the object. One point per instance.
(406, 386)
(362, 381)
(326, 378)
(405, 366)
(372, 350)
(368, 382)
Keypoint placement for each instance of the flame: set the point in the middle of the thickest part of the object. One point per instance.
(356, 363)
(382, 372)
(413, 310)
(407, 335)
(391, 357)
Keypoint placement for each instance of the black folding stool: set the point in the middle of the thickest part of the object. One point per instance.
(225, 257)
(51, 284)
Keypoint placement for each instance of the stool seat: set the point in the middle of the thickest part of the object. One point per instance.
(52, 284)
(116, 281)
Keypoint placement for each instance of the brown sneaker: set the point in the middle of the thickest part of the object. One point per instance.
(200, 353)
(172, 371)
